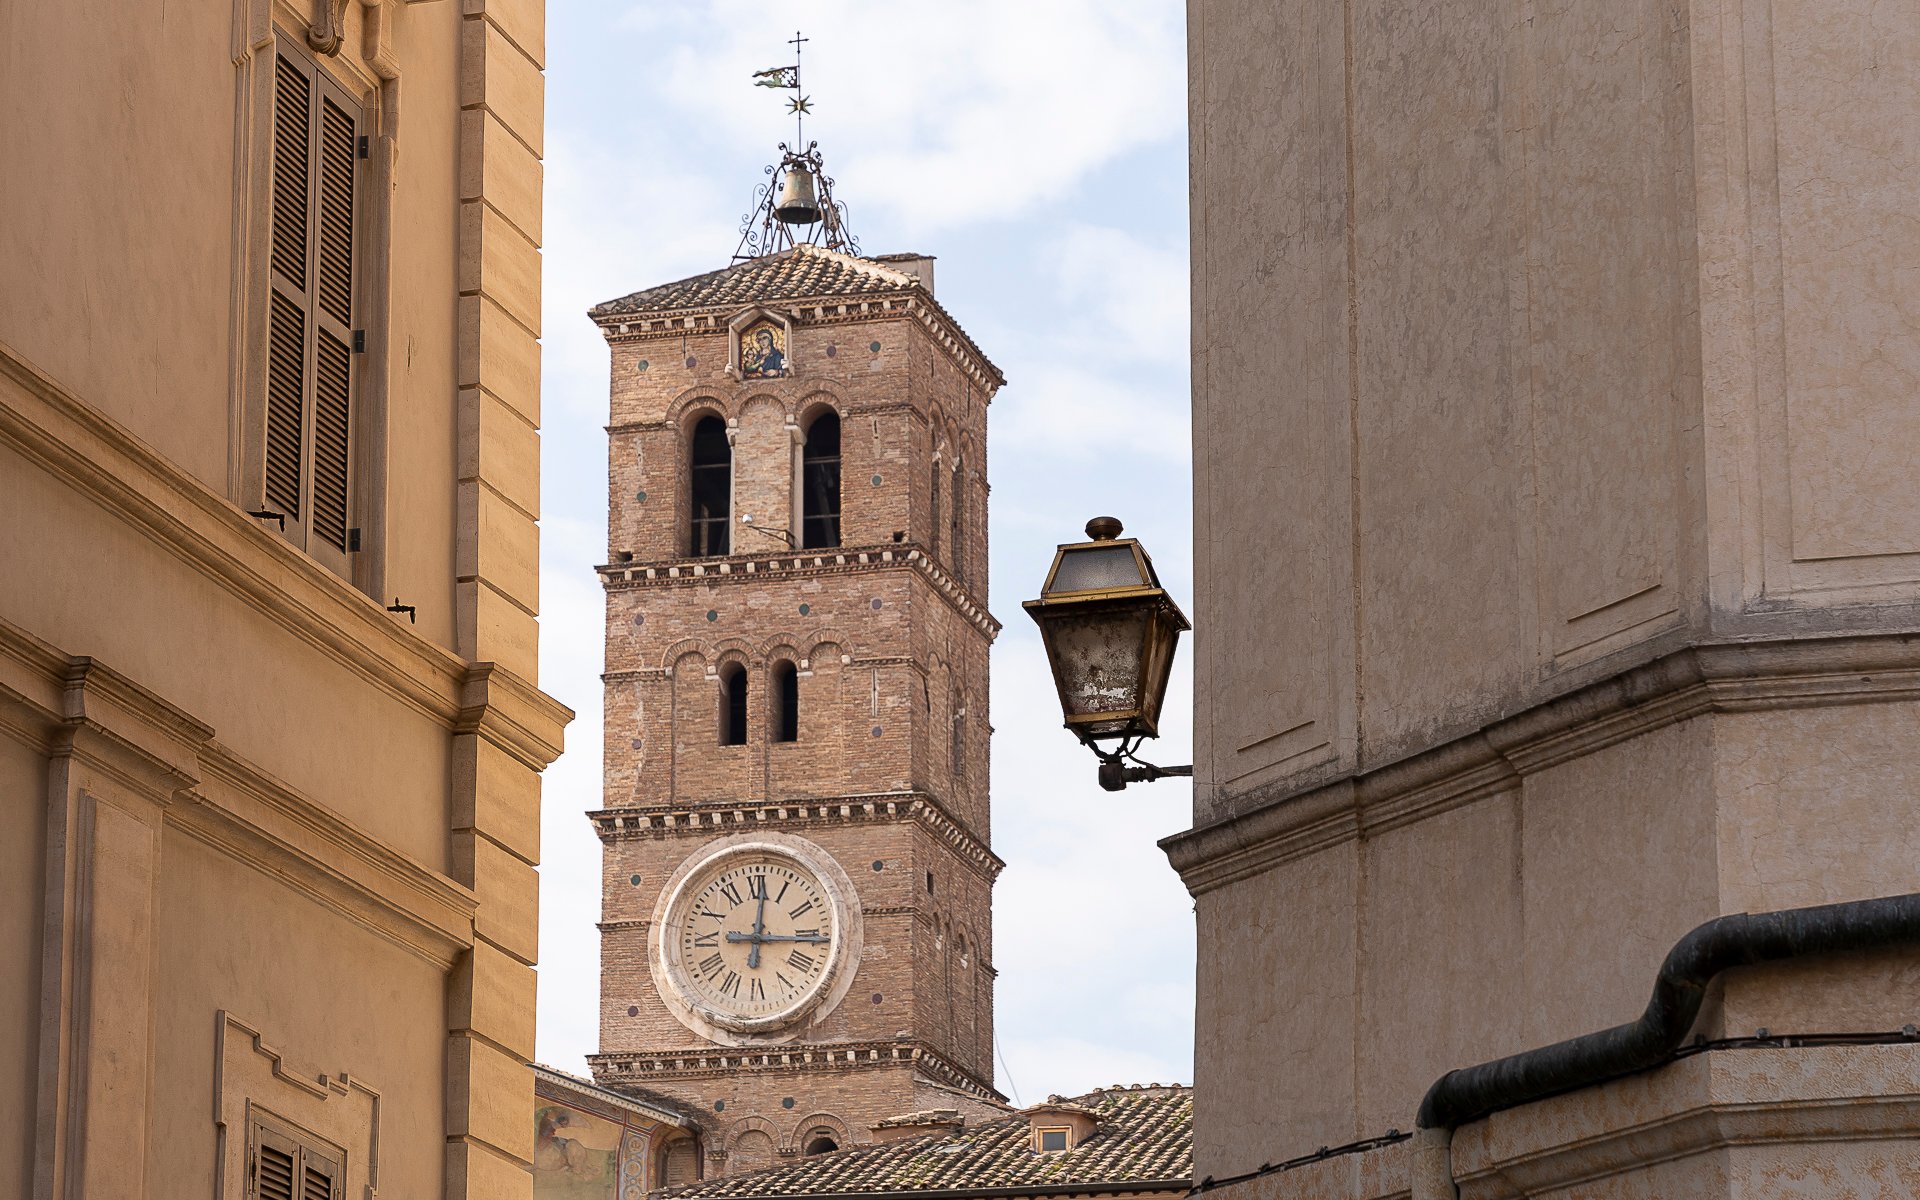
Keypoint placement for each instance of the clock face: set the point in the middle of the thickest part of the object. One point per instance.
(751, 938)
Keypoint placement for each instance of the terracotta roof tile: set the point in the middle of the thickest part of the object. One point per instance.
(1145, 1133)
(803, 271)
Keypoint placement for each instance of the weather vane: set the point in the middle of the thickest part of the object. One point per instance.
(789, 78)
(795, 205)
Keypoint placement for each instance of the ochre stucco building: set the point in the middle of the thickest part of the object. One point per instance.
(1558, 581)
(270, 735)
(796, 921)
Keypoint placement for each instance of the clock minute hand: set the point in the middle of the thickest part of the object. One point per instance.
(815, 938)
(759, 929)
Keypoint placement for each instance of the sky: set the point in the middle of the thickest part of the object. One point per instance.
(1037, 148)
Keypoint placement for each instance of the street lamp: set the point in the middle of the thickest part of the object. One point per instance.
(1110, 630)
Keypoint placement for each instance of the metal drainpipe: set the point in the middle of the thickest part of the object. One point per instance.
(1741, 940)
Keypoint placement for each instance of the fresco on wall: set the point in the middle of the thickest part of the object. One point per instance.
(763, 351)
(574, 1155)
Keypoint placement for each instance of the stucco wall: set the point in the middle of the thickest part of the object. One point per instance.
(1553, 591)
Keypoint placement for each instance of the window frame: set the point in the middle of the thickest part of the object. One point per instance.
(783, 702)
(733, 712)
(809, 462)
(699, 530)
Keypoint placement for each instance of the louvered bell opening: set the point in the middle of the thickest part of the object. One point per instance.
(276, 1174)
(335, 260)
(291, 115)
(316, 1184)
(284, 372)
(331, 458)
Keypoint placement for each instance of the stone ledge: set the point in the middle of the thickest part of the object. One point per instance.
(1691, 682)
(1813, 1098)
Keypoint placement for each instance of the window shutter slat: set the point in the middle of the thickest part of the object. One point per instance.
(317, 1183)
(286, 369)
(332, 423)
(335, 258)
(273, 1177)
(292, 110)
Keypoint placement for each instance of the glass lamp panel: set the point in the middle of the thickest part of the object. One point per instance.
(1098, 659)
(1096, 567)
(1158, 666)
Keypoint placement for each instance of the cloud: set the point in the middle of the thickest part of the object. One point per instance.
(940, 115)
(989, 133)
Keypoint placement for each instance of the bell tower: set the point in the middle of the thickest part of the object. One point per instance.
(796, 934)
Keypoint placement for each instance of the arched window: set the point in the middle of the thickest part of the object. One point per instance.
(820, 483)
(710, 487)
(956, 545)
(784, 693)
(820, 1142)
(958, 706)
(733, 704)
(933, 510)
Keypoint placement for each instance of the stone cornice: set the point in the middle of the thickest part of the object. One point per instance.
(1749, 676)
(841, 560)
(111, 467)
(64, 704)
(707, 819)
(1703, 1104)
(822, 310)
(636, 1066)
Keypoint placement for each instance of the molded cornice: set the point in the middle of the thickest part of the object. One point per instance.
(613, 1069)
(627, 824)
(1730, 677)
(108, 465)
(844, 560)
(61, 704)
(825, 310)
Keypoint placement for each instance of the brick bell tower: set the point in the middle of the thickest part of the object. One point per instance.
(797, 894)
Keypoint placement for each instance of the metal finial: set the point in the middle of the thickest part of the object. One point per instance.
(1104, 529)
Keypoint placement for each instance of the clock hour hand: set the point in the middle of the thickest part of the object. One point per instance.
(757, 938)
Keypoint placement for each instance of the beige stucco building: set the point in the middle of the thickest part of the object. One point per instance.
(1558, 555)
(270, 736)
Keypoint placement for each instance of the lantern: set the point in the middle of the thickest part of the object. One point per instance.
(1110, 630)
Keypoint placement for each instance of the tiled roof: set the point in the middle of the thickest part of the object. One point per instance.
(1145, 1134)
(803, 271)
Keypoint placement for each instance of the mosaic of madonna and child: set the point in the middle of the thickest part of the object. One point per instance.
(763, 351)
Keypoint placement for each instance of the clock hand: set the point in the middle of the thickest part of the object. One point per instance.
(815, 938)
(759, 927)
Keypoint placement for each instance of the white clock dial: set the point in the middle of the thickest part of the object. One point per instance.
(752, 935)
(755, 935)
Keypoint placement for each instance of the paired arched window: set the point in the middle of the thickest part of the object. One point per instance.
(785, 695)
(820, 483)
(710, 487)
(733, 704)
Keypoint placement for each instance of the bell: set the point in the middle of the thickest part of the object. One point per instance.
(798, 205)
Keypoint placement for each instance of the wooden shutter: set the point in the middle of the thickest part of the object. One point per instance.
(276, 1159)
(287, 322)
(308, 453)
(285, 1167)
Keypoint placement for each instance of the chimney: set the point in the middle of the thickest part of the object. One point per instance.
(920, 266)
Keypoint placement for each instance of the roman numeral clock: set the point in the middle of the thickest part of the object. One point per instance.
(752, 934)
